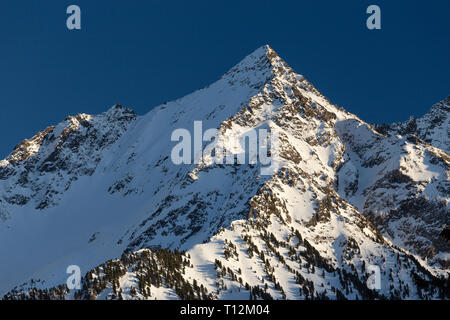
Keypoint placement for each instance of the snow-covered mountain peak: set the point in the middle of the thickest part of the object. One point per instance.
(343, 199)
(433, 127)
(443, 105)
(439, 114)
(28, 147)
(257, 68)
(120, 113)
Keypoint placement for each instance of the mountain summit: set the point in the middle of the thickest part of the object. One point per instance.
(352, 211)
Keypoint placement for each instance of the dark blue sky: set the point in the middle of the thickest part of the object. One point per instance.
(142, 53)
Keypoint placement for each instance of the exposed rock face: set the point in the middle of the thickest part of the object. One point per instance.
(42, 168)
(433, 127)
(345, 196)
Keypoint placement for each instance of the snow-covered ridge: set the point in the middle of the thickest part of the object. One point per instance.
(44, 166)
(433, 127)
(347, 196)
